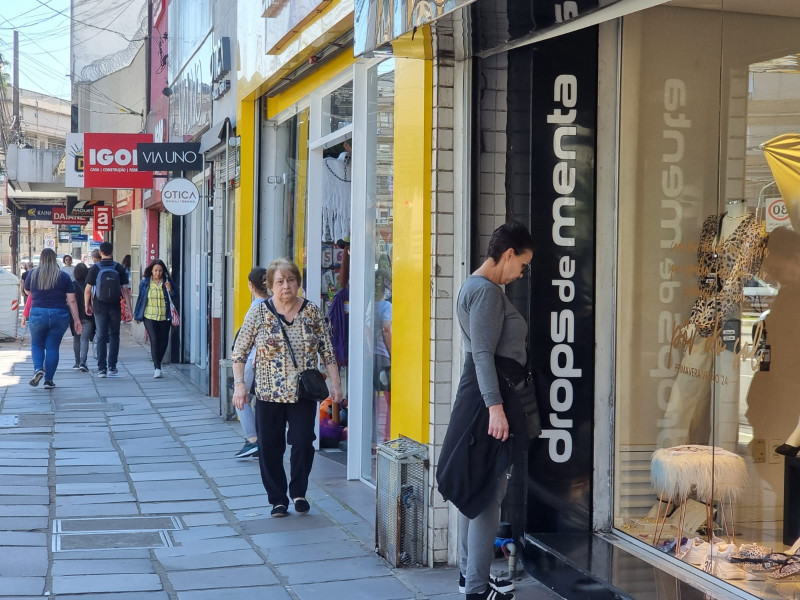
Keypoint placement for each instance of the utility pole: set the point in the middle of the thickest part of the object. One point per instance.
(15, 120)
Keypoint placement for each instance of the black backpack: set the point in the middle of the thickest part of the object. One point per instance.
(108, 287)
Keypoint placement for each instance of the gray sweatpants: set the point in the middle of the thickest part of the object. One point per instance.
(476, 541)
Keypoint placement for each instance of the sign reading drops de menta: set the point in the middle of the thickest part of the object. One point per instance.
(180, 196)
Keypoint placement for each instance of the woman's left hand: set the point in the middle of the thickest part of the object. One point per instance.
(168, 286)
(336, 394)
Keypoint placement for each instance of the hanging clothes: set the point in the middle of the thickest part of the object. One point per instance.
(337, 175)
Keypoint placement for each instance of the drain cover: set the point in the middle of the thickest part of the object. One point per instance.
(116, 524)
(9, 420)
(63, 542)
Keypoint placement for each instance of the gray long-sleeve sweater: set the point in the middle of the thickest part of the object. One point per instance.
(490, 325)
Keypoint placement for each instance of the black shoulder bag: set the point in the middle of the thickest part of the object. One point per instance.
(311, 386)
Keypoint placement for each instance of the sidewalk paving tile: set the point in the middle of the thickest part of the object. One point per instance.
(240, 577)
(335, 570)
(22, 538)
(201, 519)
(85, 584)
(24, 586)
(160, 508)
(23, 561)
(273, 592)
(22, 523)
(377, 588)
(234, 558)
(316, 552)
(101, 566)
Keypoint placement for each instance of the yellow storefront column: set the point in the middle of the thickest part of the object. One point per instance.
(243, 259)
(411, 277)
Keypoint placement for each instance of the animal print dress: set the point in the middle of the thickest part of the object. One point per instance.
(724, 266)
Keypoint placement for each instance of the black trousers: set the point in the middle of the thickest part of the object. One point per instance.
(158, 332)
(271, 421)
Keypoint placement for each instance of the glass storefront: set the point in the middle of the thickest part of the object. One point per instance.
(708, 264)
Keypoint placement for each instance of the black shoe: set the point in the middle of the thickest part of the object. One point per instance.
(498, 583)
(102, 373)
(76, 366)
(279, 510)
(83, 368)
(37, 377)
(112, 372)
(248, 449)
(787, 450)
(49, 385)
(301, 506)
(491, 594)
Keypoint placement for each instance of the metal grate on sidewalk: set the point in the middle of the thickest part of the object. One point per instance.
(113, 533)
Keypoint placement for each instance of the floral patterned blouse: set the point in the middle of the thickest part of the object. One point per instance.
(276, 376)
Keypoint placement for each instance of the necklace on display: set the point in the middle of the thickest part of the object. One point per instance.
(327, 166)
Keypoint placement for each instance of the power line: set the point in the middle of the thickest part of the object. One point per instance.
(119, 33)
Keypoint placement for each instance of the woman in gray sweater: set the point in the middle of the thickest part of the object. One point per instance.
(490, 328)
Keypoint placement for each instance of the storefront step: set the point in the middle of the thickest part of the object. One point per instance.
(588, 567)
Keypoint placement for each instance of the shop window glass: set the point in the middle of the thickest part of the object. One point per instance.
(337, 109)
(189, 23)
(380, 153)
(709, 273)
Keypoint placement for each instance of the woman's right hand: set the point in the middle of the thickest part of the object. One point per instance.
(239, 395)
(498, 424)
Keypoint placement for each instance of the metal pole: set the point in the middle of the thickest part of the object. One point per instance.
(30, 242)
(16, 117)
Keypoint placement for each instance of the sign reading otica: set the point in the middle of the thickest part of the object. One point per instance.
(180, 196)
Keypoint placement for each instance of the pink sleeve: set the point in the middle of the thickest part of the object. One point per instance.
(26, 312)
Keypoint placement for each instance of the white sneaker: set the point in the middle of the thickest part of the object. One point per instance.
(698, 552)
(730, 572)
(157, 374)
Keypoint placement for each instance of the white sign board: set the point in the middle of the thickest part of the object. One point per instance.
(180, 196)
(74, 160)
(50, 243)
(777, 215)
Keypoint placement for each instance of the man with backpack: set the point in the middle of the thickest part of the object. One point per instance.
(106, 284)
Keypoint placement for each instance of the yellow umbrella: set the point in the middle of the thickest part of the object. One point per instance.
(783, 157)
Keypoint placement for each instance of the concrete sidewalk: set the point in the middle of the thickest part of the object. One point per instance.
(127, 488)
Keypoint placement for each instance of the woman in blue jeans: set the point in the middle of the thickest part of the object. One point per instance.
(53, 301)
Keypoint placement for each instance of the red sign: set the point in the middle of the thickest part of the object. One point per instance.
(102, 218)
(110, 160)
(60, 217)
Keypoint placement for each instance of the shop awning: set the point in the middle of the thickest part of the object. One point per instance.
(510, 24)
(783, 157)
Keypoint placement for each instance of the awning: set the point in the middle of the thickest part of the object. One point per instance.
(497, 26)
(783, 157)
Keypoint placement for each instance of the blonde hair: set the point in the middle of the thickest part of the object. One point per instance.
(282, 264)
(47, 273)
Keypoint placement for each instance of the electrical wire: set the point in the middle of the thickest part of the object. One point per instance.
(119, 33)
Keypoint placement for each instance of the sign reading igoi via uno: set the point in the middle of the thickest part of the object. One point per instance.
(108, 161)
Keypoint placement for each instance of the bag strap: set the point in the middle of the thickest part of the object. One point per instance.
(271, 309)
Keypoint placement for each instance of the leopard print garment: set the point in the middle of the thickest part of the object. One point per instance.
(723, 269)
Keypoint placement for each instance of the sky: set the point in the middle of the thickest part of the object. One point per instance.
(44, 39)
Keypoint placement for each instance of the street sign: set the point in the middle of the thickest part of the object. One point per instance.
(102, 218)
(63, 236)
(75, 228)
(38, 212)
(180, 196)
(60, 217)
(50, 243)
(173, 156)
(80, 237)
(83, 208)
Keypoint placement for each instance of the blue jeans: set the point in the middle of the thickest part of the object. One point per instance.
(47, 327)
(107, 317)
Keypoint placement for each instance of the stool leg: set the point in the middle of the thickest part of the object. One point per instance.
(709, 521)
(660, 529)
(658, 517)
(682, 515)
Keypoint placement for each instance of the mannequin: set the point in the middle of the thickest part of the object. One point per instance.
(730, 248)
(336, 181)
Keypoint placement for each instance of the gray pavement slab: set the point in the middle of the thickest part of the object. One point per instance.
(22, 538)
(201, 519)
(85, 584)
(97, 510)
(335, 570)
(377, 588)
(22, 523)
(117, 596)
(187, 475)
(209, 532)
(273, 592)
(209, 579)
(168, 508)
(233, 558)
(283, 539)
(316, 552)
(21, 561)
(23, 510)
(101, 566)
(24, 586)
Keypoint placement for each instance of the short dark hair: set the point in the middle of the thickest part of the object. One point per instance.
(509, 235)
(258, 277)
(67, 256)
(106, 248)
(148, 272)
(95, 254)
(81, 271)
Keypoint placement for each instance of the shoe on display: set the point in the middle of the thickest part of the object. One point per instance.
(248, 449)
(157, 374)
(730, 572)
(37, 377)
(497, 583)
(49, 385)
(697, 553)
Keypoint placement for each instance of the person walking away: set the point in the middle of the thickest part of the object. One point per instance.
(277, 402)
(157, 294)
(27, 267)
(477, 438)
(96, 257)
(53, 298)
(106, 284)
(68, 268)
(81, 348)
(255, 282)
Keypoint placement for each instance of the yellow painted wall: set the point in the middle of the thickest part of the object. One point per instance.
(243, 249)
(411, 270)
